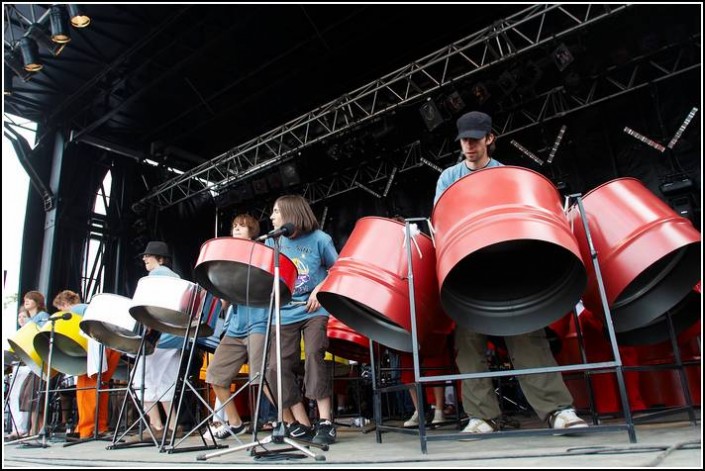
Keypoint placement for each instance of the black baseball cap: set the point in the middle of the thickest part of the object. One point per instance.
(474, 125)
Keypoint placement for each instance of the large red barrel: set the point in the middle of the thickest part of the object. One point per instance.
(649, 256)
(508, 262)
(367, 288)
(344, 342)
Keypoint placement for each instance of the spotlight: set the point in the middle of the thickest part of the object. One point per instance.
(431, 115)
(78, 17)
(59, 29)
(562, 57)
(30, 55)
(13, 63)
(480, 92)
(40, 36)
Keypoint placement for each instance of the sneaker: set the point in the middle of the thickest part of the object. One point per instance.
(476, 426)
(299, 431)
(227, 431)
(566, 418)
(413, 421)
(325, 433)
(438, 417)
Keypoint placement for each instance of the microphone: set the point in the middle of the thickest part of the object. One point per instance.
(63, 317)
(285, 230)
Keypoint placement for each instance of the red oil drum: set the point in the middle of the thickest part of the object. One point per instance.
(344, 342)
(368, 290)
(649, 256)
(508, 262)
(242, 271)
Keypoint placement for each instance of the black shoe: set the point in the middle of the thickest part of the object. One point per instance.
(299, 431)
(325, 433)
(227, 431)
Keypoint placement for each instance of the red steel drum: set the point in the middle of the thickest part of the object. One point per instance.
(683, 315)
(368, 290)
(508, 262)
(225, 264)
(344, 342)
(649, 256)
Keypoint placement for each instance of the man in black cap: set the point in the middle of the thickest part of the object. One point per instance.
(476, 144)
(546, 393)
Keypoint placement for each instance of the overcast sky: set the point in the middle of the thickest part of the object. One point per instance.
(14, 201)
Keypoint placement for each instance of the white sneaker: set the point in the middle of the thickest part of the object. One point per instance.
(438, 417)
(476, 425)
(413, 421)
(566, 418)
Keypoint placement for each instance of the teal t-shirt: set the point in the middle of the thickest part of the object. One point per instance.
(455, 173)
(313, 254)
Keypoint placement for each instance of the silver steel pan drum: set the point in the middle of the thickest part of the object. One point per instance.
(107, 319)
(169, 305)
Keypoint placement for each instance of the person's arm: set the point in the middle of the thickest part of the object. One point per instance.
(328, 257)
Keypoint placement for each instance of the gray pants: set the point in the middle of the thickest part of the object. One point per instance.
(545, 392)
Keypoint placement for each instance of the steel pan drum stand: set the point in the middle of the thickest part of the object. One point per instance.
(6, 406)
(279, 434)
(130, 394)
(182, 382)
(99, 380)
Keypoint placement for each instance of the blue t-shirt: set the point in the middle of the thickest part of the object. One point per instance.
(455, 173)
(242, 321)
(79, 309)
(40, 318)
(167, 340)
(313, 254)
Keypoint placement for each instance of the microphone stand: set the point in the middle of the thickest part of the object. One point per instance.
(43, 431)
(279, 433)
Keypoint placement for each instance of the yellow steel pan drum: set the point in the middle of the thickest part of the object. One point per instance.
(70, 345)
(23, 345)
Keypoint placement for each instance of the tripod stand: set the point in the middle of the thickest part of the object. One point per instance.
(43, 432)
(279, 434)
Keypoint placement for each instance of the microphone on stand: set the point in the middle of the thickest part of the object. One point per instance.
(63, 317)
(285, 230)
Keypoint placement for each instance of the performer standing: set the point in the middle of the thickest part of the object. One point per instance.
(313, 253)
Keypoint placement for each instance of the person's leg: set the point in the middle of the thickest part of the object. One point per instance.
(290, 359)
(229, 357)
(113, 360)
(479, 399)
(547, 392)
(85, 402)
(316, 377)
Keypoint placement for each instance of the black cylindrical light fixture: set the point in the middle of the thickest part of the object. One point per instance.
(78, 17)
(41, 37)
(30, 55)
(59, 27)
(7, 81)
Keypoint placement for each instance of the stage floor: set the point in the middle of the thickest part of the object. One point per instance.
(665, 442)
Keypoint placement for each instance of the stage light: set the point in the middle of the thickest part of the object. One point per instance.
(78, 17)
(15, 65)
(40, 36)
(59, 29)
(562, 57)
(30, 55)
